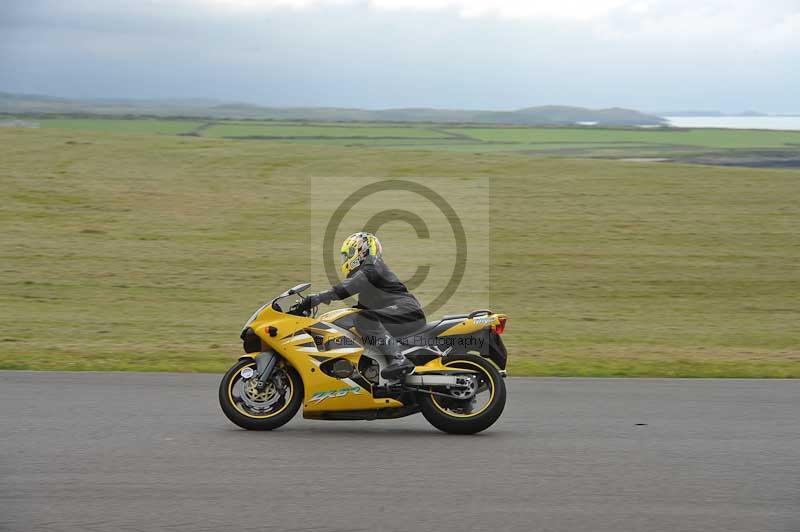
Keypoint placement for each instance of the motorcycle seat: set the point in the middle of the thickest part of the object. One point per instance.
(447, 317)
(430, 328)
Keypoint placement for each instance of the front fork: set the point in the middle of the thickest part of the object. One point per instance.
(265, 366)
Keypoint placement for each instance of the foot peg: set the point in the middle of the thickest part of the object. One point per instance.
(399, 368)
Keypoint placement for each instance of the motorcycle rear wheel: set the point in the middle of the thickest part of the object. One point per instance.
(461, 417)
(254, 409)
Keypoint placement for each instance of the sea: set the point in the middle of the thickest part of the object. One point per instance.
(786, 123)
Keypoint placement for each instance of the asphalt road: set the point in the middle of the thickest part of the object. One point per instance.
(112, 451)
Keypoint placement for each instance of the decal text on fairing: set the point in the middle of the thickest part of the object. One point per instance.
(321, 396)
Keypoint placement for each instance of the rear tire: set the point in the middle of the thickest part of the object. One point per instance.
(236, 410)
(453, 423)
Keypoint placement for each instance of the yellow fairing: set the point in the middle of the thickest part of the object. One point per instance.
(473, 325)
(292, 339)
(333, 315)
(322, 392)
(433, 366)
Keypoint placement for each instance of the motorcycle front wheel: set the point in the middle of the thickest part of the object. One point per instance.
(467, 416)
(260, 409)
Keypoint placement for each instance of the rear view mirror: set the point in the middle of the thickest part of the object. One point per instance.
(299, 288)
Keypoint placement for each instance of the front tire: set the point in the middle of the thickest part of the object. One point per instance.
(252, 409)
(464, 417)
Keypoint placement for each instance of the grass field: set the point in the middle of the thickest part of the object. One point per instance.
(321, 132)
(705, 138)
(687, 145)
(146, 126)
(140, 251)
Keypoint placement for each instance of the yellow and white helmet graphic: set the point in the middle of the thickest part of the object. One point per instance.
(356, 248)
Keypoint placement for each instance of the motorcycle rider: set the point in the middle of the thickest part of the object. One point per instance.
(388, 309)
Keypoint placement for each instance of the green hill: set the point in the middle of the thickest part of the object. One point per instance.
(544, 115)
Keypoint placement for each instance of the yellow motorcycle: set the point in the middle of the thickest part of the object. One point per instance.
(293, 358)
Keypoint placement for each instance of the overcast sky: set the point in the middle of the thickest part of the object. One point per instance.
(652, 55)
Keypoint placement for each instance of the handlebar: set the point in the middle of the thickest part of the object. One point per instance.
(298, 309)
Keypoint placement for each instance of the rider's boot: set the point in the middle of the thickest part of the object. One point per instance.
(399, 366)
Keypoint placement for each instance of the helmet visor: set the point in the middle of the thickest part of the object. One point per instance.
(347, 255)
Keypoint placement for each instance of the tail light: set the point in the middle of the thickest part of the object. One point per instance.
(501, 325)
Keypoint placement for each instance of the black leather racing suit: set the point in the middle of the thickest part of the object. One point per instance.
(388, 308)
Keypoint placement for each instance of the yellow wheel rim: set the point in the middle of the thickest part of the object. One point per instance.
(239, 409)
(488, 375)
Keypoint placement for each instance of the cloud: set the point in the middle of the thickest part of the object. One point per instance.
(568, 9)
(651, 54)
(770, 23)
(720, 24)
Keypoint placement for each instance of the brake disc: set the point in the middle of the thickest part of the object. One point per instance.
(259, 400)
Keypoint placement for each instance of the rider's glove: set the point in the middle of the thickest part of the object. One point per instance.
(314, 300)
